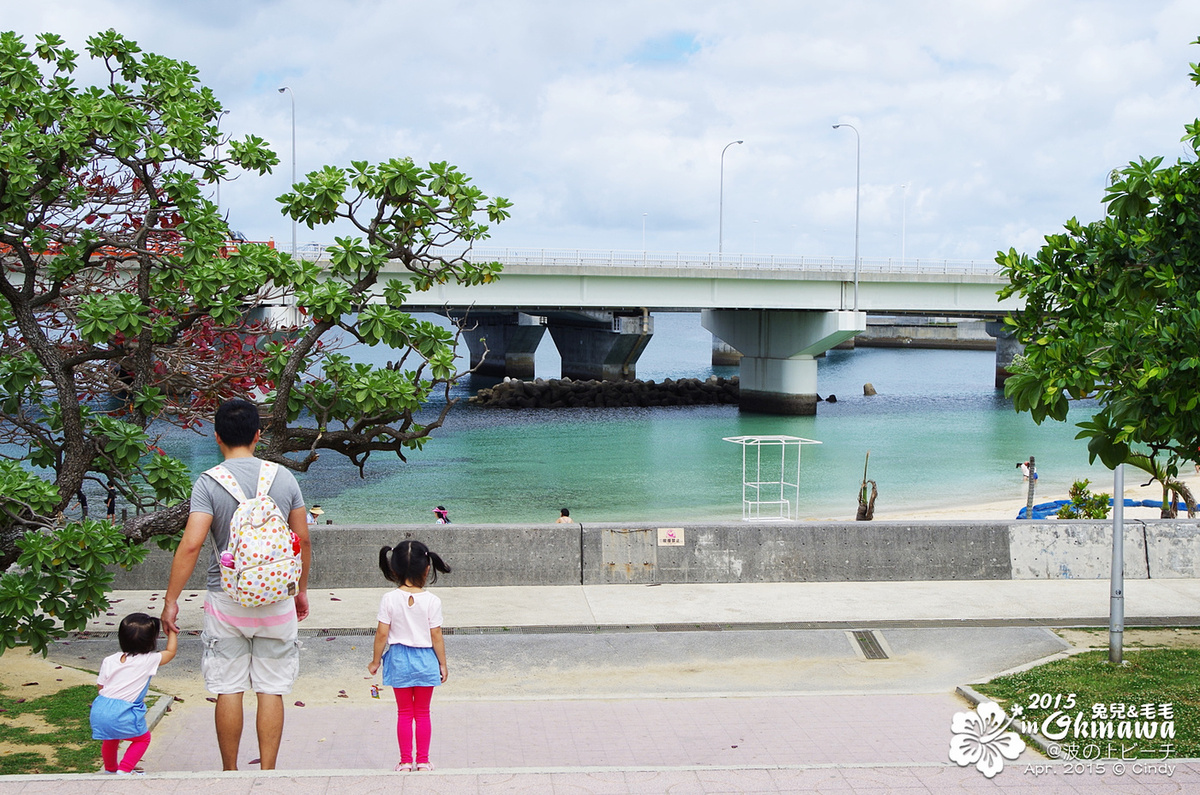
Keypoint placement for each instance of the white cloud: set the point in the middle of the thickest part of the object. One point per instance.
(1004, 117)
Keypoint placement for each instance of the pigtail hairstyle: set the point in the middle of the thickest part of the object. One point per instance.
(408, 562)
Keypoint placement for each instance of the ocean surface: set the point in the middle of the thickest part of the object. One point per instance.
(938, 433)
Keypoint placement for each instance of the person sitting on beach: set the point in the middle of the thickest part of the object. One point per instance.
(564, 517)
(443, 516)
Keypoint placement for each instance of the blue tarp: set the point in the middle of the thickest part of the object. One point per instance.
(1048, 510)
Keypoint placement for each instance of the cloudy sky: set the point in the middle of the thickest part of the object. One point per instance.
(984, 123)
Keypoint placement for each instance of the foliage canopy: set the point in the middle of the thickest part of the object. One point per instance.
(122, 305)
(1112, 311)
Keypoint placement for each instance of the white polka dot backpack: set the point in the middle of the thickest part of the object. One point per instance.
(261, 565)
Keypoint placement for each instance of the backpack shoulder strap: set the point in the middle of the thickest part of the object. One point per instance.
(227, 481)
(266, 477)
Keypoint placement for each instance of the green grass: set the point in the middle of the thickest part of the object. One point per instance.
(1150, 676)
(71, 735)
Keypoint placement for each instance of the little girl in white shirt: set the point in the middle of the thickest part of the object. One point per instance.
(409, 645)
(119, 711)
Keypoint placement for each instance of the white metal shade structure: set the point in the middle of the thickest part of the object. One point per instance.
(770, 476)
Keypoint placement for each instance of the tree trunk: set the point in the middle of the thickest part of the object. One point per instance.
(866, 508)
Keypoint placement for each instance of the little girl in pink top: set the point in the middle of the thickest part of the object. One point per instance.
(409, 645)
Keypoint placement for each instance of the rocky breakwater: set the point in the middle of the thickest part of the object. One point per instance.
(559, 393)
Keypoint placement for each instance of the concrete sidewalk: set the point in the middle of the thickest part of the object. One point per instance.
(617, 741)
(798, 605)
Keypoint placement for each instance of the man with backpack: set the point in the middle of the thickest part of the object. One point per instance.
(257, 581)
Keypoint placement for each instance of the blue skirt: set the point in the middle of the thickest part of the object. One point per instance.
(114, 719)
(410, 666)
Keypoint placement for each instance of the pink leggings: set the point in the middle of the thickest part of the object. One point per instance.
(412, 706)
(133, 754)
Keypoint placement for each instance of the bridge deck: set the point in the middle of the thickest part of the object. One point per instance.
(534, 288)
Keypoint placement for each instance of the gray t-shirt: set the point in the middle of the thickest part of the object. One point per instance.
(210, 497)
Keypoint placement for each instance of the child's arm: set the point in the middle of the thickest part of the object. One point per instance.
(381, 644)
(439, 648)
(172, 646)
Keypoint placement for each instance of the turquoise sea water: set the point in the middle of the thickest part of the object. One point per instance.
(938, 432)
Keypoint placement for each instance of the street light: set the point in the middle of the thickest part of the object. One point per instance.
(857, 183)
(721, 222)
(217, 154)
(292, 94)
(643, 233)
(903, 219)
(1116, 576)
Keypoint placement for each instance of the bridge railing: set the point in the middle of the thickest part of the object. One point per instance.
(650, 260)
(656, 260)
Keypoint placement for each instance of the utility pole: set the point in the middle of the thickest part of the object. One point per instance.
(1116, 602)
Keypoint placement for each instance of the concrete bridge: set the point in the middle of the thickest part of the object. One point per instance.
(778, 312)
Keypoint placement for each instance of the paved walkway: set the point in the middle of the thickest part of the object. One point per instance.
(510, 741)
(810, 604)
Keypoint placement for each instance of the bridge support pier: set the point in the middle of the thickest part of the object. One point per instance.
(510, 339)
(1007, 349)
(602, 346)
(778, 371)
(724, 354)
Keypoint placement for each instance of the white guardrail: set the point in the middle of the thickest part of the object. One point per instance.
(598, 258)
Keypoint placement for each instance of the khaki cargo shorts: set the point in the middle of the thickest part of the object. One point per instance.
(249, 648)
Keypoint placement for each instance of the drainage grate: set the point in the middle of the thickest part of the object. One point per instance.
(869, 644)
(475, 630)
(687, 627)
(316, 633)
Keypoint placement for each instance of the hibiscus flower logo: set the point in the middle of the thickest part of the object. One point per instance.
(980, 738)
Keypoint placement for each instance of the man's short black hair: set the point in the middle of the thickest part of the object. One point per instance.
(236, 422)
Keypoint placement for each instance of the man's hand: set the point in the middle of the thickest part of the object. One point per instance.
(170, 614)
(301, 605)
(183, 564)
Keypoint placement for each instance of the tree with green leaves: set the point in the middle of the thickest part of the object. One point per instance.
(1084, 504)
(1112, 312)
(123, 306)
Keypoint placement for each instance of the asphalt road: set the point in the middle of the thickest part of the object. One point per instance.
(644, 662)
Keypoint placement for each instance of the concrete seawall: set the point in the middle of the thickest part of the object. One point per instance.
(570, 554)
(925, 333)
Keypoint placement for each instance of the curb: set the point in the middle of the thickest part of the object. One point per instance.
(976, 698)
(156, 712)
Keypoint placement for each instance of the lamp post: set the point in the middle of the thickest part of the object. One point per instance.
(721, 222)
(292, 94)
(857, 183)
(643, 233)
(217, 154)
(903, 219)
(1116, 601)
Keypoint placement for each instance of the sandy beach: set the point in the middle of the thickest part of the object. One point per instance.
(1009, 507)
